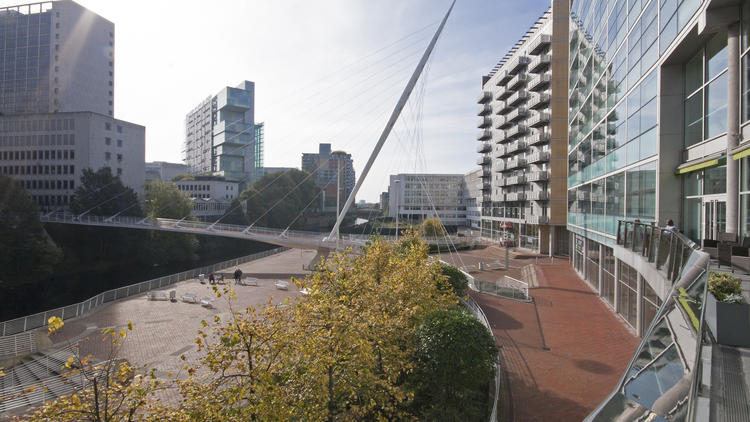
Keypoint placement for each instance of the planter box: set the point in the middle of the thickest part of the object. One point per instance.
(729, 322)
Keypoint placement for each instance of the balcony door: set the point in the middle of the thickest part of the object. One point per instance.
(714, 217)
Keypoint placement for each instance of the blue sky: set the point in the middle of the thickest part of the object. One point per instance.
(325, 71)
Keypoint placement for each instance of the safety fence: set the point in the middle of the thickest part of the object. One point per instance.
(39, 320)
(478, 313)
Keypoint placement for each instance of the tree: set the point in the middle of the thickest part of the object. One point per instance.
(26, 253)
(456, 355)
(431, 227)
(288, 193)
(101, 193)
(164, 200)
(456, 280)
(181, 177)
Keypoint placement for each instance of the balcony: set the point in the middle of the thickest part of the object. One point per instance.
(503, 93)
(499, 166)
(484, 160)
(500, 183)
(503, 77)
(515, 196)
(484, 97)
(517, 114)
(539, 137)
(537, 219)
(500, 136)
(517, 64)
(539, 64)
(515, 180)
(539, 43)
(518, 97)
(500, 151)
(484, 122)
(538, 82)
(538, 100)
(516, 131)
(503, 107)
(484, 134)
(500, 122)
(484, 147)
(486, 173)
(484, 110)
(485, 186)
(540, 118)
(537, 176)
(516, 163)
(519, 145)
(540, 195)
(538, 157)
(518, 81)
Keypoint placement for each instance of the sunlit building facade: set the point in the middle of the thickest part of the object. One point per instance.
(523, 139)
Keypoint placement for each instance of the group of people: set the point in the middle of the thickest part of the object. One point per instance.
(237, 277)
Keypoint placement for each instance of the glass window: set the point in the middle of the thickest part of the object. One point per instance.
(694, 73)
(715, 180)
(716, 55)
(745, 76)
(615, 205)
(694, 119)
(693, 183)
(716, 107)
(745, 215)
(745, 174)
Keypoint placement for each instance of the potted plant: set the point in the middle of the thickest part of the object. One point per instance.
(727, 314)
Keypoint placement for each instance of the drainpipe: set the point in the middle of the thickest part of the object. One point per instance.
(733, 124)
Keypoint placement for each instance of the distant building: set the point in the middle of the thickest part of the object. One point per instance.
(48, 152)
(162, 170)
(384, 203)
(57, 102)
(220, 135)
(258, 150)
(51, 64)
(472, 198)
(209, 187)
(415, 197)
(260, 172)
(324, 169)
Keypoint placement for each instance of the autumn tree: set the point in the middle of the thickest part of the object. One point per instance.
(431, 227)
(164, 200)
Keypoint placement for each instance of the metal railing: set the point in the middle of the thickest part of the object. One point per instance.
(19, 344)
(506, 287)
(666, 249)
(39, 320)
(675, 338)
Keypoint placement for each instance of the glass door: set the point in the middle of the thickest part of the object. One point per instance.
(714, 218)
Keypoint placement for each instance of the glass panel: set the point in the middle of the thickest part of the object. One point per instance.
(745, 174)
(694, 73)
(615, 191)
(716, 55)
(715, 180)
(693, 183)
(692, 219)
(745, 76)
(694, 119)
(745, 215)
(716, 107)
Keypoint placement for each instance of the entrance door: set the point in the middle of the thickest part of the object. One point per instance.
(714, 218)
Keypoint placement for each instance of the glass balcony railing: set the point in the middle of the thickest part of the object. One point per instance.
(662, 381)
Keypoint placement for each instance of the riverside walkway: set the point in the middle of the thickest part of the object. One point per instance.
(563, 353)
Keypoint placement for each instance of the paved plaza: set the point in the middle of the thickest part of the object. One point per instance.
(563, 353)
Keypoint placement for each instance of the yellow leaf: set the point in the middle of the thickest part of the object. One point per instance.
(54, 323)
(30, 389)
(130, 325)
(122, 333)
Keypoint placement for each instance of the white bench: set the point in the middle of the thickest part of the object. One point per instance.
(282, 285)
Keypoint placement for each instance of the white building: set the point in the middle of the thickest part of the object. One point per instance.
(472, 198)
(48, 152)
(207, 187)
(421, 196)
(64, 59)
(162, 170)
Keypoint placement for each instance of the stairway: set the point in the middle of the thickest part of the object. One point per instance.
(42, 370)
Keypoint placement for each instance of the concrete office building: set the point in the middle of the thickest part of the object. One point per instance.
(162, 170)
(415, 197)
(472, 198)
(55, 57)
(48, 152)
(523, 138)
(262, 171)
(220, 135)
(324, 167)
(57, 102)
(209, 187)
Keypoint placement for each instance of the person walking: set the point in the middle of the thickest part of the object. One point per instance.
(237, 276)
(211, 279)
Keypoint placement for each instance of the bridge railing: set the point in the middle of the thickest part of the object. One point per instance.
(39, 320)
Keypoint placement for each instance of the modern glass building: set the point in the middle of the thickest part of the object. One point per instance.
(657, 132)
(220, 135)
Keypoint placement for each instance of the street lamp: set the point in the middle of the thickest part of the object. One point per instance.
(398, 194)
(339, 163)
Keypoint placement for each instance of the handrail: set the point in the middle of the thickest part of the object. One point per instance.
(478, 313)
(673, 338)
(39, 320)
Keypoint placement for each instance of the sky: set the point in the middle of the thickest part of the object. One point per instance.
(324, 71)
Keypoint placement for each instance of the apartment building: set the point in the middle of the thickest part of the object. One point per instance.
(220, 135)
(324, 168)
(415, 197)
(523, 138)
(162, 170)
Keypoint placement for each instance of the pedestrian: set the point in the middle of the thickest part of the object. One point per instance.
(211, 279)
(670, 226)
(237, 276)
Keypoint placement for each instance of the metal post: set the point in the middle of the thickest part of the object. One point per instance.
(398, 195)
(392, 120)
(733, 125)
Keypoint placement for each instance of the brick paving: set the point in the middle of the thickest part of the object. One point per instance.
(562, 354)
(162, 330)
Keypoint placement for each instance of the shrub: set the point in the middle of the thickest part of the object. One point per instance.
(722, 285)
(456, 280)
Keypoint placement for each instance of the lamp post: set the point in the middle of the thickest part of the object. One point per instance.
(339, 155)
